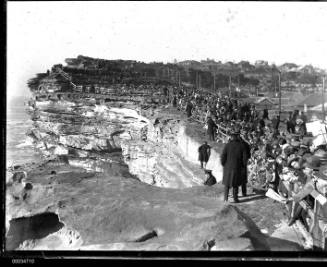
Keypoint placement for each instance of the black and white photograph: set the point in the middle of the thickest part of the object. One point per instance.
(165, 127)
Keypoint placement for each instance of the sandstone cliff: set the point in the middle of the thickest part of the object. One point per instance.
(120, 175)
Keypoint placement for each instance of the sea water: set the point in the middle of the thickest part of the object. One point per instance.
(19, 148)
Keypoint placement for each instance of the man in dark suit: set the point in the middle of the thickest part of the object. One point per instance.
(211, 129)
(189, 108)
(204, 154)
(248, 156)
(234, 160)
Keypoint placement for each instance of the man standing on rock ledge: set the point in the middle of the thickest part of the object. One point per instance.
(234, 160)
(204, 154)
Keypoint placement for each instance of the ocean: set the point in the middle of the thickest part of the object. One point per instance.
(19, 149)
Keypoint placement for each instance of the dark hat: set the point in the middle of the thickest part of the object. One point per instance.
(313, 162)
(282, 141)
(322, 174)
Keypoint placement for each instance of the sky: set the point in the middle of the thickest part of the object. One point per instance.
(41, 34)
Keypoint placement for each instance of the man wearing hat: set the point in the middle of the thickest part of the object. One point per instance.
(311, 166)
(204, 154)
(234, 161)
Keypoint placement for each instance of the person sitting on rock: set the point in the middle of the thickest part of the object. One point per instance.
(27, 191)
(18, 185)
(204, 154)
(210, 179)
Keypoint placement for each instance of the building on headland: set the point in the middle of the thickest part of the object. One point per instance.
(261, 63)
(288, 67)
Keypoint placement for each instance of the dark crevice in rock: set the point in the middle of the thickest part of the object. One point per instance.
(147, 236)
(30, 228)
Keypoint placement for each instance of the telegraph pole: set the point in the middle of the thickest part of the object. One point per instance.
(229, 85)
(196, 79)
(214, 82)
(323, 99)
(280, 93)
(179, 78)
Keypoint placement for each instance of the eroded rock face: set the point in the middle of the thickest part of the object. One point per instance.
(122, 181)
(154, 146)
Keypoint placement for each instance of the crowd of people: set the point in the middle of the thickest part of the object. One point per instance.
(260, 150)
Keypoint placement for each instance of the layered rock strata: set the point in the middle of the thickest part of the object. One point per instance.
(154, 145)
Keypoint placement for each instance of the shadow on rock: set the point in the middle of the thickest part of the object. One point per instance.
(261, 241)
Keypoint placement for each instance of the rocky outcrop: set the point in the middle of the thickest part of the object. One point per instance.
(101, 211)
(154, 145)
(128, 179)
